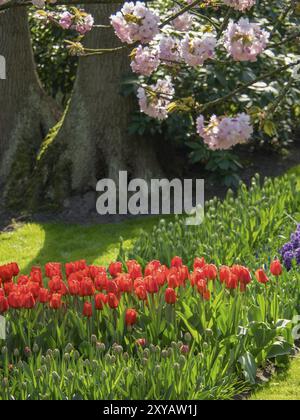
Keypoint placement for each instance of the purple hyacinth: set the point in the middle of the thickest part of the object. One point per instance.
(291, 251)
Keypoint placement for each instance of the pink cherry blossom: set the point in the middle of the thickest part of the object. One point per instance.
(240, 5)
(244, 41)
(135, 22)
(155, 99)
(224, 133)
(195, 51)
(145, 61)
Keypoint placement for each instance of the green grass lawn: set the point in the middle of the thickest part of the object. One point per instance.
(37, 244)
(284, 386)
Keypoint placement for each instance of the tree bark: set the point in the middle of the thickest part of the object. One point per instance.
(92, 140)
(27, 113)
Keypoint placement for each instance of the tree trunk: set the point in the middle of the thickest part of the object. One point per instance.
(27, 113)
(92, 140)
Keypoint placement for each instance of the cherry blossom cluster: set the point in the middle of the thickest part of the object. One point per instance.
(244, 40)
(240, 5)
(135, 22)
(224, 133)
(154, 100)
(170, 50)
(78, 21)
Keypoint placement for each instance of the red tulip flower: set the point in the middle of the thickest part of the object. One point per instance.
(115, 268)
(176, 262)
(130, 317)
(141, 292)
(4, 306)
(99, 302)
(87, 310)
(261, 276)
(170, 296)
(112, 301)
(276, 268)
(55, 301)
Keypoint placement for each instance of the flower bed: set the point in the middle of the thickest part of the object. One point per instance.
(226, 321)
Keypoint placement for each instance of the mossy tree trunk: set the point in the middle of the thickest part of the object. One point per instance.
(26, 113)
(92, 139)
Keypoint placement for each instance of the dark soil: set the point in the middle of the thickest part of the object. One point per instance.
(82, 209)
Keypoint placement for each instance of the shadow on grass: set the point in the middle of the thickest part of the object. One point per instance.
(37, 244)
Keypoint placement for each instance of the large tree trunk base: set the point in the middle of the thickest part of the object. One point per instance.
(91, 141)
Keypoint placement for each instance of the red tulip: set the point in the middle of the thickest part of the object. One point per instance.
(112, 301)
(176, 262)
(37, 276)
(201, 286)
(4, 306)
(112, 287)
(261, 276)
(170, 296)
(225, 274)
(115, 268)
(101, 281)
(141, 292)
(87, 287)
(87, 309)
(276, 268)
(43, 295)
(199, 263)
(151, 284)
(98, 302)
(55, 301)
(28, 301)
(210, 271)
(130, 317)
(206, 295)
(141, 342)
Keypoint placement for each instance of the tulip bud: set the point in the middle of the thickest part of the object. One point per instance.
(113, 359)
(56, 353)
(35, 348)
(157, 369)
(93, 339)
(86, 363)
(146, 353)
(126, 357)
(69, 348)
(4, 350)
(104, 374)
(76, 355)
(182, 360)
(67, 357)
(94, 364)
(27, 351)
(55, 377)
(70, 375)
(205, 345)
(176, 367)
(187, 337)
(100, 346)
(20, 364)
(209, 332)
(164, 354)
(144, 361)
(152, 348)
(16, 353)
(179, 344)
(49, 353)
